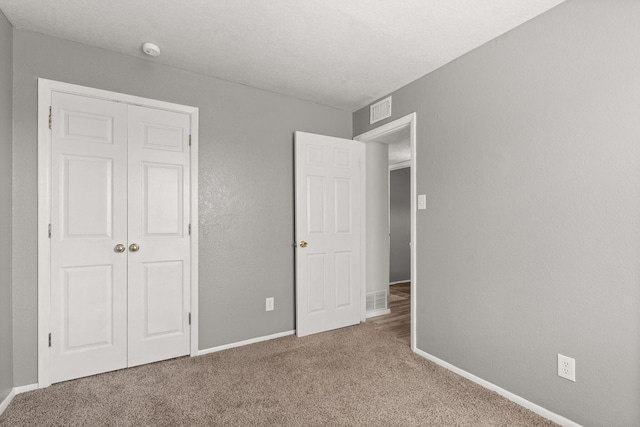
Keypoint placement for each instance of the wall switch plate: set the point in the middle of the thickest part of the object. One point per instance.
(269, 304)
(566, 367)
(422, 201)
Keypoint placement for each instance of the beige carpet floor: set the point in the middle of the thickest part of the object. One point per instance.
(355, 376)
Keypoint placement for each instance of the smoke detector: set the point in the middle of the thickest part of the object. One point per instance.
(151, 49)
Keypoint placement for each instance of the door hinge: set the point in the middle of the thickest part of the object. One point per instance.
(189, 229)
(189, 140)
(49, 230)
(49, 339)
(50, 119)
(189, 318)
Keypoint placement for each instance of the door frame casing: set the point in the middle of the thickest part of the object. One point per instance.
(45, 91)
(408, 120)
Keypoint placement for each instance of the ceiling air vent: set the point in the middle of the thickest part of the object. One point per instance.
(380, 110)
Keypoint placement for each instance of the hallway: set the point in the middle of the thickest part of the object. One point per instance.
(398, 321)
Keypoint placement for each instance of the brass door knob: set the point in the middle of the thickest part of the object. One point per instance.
(134, 247)
(119, 248)
(303, 244)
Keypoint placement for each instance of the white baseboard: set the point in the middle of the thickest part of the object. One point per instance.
(25, 388)
(5, 403)
(399, 281)
(245, 342)
(14, 392)
(558, 419)
(376, 313)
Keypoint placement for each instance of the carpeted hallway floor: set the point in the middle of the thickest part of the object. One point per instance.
(356, 376)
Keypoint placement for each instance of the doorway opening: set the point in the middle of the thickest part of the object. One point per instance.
(390, 147)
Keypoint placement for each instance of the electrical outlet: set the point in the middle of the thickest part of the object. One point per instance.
(269, 304)
(566, 367)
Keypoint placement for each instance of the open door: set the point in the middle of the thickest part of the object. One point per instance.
(328, 232)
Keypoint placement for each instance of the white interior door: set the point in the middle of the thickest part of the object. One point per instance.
(120, 243)
(89, 218)
(327, 210)
(159, 283)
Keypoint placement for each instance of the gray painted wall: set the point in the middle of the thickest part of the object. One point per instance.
(246, 185)
(528, 150)
(400, 224)
(6, 83)
(377, 216)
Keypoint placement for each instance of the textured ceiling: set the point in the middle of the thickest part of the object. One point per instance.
(399, 152)
(341, 53)
(399, 142)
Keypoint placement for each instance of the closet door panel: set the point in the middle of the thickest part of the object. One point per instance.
(88, 220)
(159, 282)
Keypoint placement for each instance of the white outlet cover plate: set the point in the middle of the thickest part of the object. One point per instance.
(566, 367)
(269, 304)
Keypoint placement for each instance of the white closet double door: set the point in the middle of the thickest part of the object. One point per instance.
(120, 257)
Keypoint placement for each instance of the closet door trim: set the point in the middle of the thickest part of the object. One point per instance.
(46, 88)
